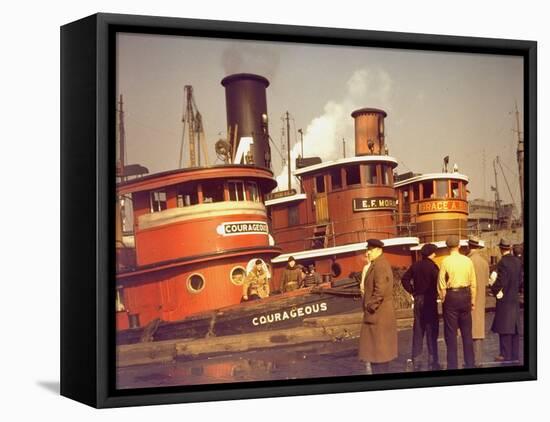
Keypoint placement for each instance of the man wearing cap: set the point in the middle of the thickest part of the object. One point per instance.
(378, 339)
(506, 289)
(292, 276)
(420, 280)
(312, 278)
(481, 268)
(457, 290)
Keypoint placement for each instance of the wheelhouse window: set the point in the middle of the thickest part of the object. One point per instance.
(236, 190)
(187, 196)
(427, 190)
(212, 191)
(406, 198)
(253, 191)
(120, 307)
(336, 178)
(370, 174)
(387, 176)
(157, 201)
(353, 175)
(441, 188)
(320, 184)
(455, 189)
(416, 192)
(293, 215)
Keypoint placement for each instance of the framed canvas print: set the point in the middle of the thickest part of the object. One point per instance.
(253, 210)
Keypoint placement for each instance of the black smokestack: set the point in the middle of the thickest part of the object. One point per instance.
(246, 105)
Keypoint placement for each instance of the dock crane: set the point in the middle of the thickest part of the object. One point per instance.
(194, 128)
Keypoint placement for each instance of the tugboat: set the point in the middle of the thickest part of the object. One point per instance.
(342, 203)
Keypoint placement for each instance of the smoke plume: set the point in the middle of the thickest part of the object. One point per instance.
(323, 136)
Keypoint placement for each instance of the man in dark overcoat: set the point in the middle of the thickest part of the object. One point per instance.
(506, 290)
(378, 339)
(420, 280)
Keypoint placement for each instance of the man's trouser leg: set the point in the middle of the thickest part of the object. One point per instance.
(450, 320)
(465, 324)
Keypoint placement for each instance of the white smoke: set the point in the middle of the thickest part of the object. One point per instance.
(246, 58)
(323, 136)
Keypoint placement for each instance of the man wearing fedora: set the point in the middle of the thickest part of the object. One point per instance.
(481, 267)
(420, 280)
(378, 338)
(506, 289)
(457, 290)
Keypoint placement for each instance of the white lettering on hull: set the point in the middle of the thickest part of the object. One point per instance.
(292, 314)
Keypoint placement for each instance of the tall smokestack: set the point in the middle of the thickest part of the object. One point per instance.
(369, 131)
(246, 105)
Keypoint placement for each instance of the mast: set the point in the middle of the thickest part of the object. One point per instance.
(520, 157)
(121, 138)
(288, 148)
(495, 189)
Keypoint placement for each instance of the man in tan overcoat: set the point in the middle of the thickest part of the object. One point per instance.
(481, 268)
(378, 340)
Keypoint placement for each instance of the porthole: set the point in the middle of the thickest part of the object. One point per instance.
(237, 275)
(195, 283)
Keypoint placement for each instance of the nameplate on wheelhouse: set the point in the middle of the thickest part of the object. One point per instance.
(377, 203)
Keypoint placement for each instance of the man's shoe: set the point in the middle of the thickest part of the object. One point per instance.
(499, 358)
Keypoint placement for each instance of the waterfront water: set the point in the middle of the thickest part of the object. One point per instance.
(307, 361)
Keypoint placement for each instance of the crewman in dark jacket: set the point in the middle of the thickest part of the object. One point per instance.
(506, 289)
(312, 278)
(420, 281)
(292, 276)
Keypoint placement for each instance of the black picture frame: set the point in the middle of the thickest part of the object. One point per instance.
(87, 221)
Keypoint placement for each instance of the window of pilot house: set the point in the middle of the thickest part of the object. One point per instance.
(320, 184)
(253, 192)
(416, 192)
(212, 191)
(353, 175)
(157, 201)
(370, 174)
(427, 190)
(236, 190)
(336, 178)
(195, 283)
(406, 198)
(386, 175)
(187, 196)
(455, 189)
(441, 188)
(120, 299)
(293, 215)
(237, 275)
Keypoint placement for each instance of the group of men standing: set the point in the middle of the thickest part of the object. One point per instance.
(256, 282)
(460, 283)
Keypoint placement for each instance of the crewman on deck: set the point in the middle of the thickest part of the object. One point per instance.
(457, 290)
(292, 276)
(256, 283)
(481, 267)
(312, 278)
(420, 280)
(378, 338)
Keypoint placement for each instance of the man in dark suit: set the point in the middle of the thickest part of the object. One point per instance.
(420, 280)
(506, 289)
(378, 338)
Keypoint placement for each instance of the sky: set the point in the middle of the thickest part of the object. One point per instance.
(438, 104)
